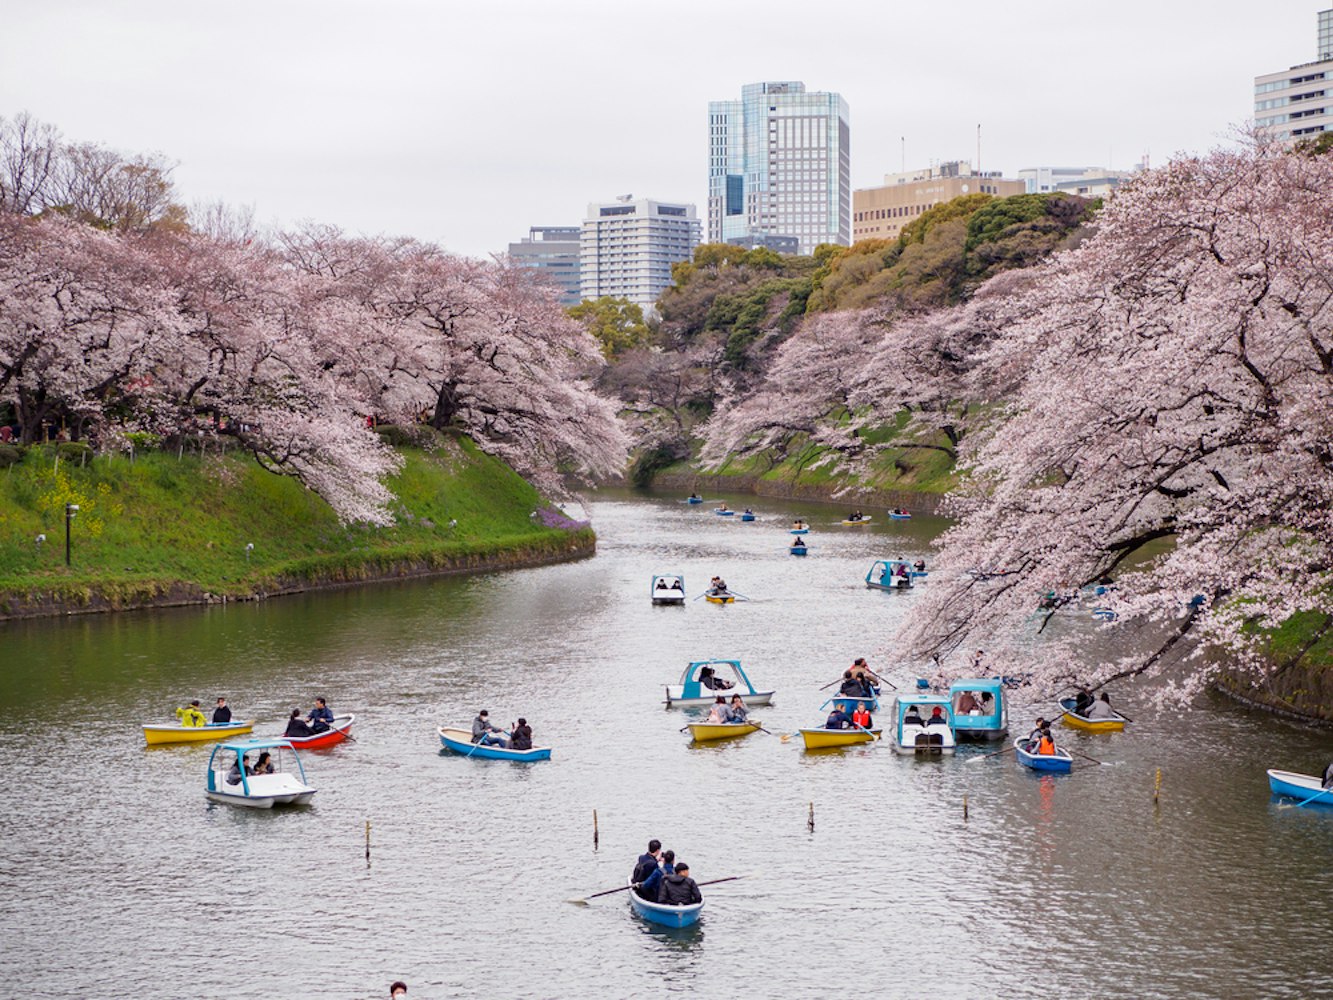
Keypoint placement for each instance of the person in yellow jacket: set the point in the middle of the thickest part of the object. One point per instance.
(191, 716)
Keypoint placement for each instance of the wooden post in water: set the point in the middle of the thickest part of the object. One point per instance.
(810, 822)
(367, 843)
(594, 829)
(1157, 787)
(965, 807)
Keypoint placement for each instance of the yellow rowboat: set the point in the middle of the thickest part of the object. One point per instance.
(154, 735)
(820, 739)
(860, 520)
(720, 598)
(705, 731)
(1074, 721)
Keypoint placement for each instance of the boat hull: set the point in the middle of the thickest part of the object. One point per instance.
(720, 599)
(460, 741)
(900, 517)
(665, 916)
(261, 801)
(725, 513)
(339, 731)
(798, 531)
(1073, 721)
(1292, 785)
(705, 732)
(823, 739)
(1060, 762)
(798, 550)
(694, 500)
(979, 735)
(864, 520)
(668, 600)
(155, 735)
(900, 583)
(750, 698)
(747, 517)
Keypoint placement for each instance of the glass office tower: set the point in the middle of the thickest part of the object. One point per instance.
(779, 165)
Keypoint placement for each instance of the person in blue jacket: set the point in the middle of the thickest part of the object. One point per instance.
(321, 717)
(648, 889)
(837, 719)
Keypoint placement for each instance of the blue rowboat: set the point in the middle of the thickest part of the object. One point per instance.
(1300, 786)
(904, 516)
(747, 516)
(723, 513)
(460, 741)
(667, 916)
(694, 500)
(1060, 762)
(799, 550)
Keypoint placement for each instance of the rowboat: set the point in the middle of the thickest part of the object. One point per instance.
(176, 733)
(799, 550)
(667, 588)
(694, 691)
(858, 520)
(823, 739)
(980, 712)
(335, 734)
(722, 598)
(660, 913)
(705, 732)
(694, 499)
(747, 515)
(1060, 762)
(900, 515)
(801, 528)
(460, 741)
(723, 512)
(889, 574)
(229, 783)
(1300, 786)
(911, 738)
(1075, 721)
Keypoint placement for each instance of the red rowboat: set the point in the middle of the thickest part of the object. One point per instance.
(336, 733)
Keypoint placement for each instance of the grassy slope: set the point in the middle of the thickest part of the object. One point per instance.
(164, 520)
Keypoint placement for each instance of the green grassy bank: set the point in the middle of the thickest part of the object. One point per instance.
(167, 528)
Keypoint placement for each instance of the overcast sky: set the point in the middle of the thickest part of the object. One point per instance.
(467, 123)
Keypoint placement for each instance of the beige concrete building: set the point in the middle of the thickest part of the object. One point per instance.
(881, 212)
(1297, 103)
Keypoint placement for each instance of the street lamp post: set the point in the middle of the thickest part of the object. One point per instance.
(71, 509)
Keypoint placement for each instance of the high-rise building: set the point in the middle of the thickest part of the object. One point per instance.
(779, 165)
(553, 253)
(882, 212)
(1297, 103)
(627, 247)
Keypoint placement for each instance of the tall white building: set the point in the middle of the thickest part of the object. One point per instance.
(627, 247)
(1297, 103)
(779, 166)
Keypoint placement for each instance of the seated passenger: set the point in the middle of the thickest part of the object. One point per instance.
(851, 687)
(661, 584)
(1328, 775)
(320, 717)
(861, 717)
(799, 543)
(678, 889)
(1101, 708)
(717, 714)
(1082, 702)
(1046, 744)
(920, 565)
(1037, 729)
(482, 730)
(937, 717)
(736, 711)
(296, 726)
(191, 715)
(234, 775)
(676, 584)
(913, 717)
(264, 765)
(837, 719)
(967, 703)
(710, 681)
(521, 735)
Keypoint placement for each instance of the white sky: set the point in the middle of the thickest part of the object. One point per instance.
(467, 123)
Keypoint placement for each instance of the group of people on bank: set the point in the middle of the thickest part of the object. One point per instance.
(659, 878)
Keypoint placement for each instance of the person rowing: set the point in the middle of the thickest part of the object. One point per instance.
(736, 711)
(191, 716)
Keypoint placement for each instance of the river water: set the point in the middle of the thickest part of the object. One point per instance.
(119, 880)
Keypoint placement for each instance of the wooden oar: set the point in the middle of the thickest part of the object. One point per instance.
(1293, 805)
(973, 760)
(583, 900)
(1083, 755)
(737, 593)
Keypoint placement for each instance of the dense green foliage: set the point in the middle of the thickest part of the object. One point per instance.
(617, 324)
(166, 518)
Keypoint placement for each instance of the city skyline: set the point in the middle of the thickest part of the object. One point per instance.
(467, 129)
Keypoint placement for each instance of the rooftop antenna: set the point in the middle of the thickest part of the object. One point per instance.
(904, 168)
(978, 149)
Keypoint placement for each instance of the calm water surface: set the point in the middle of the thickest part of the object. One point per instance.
(119, 880)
